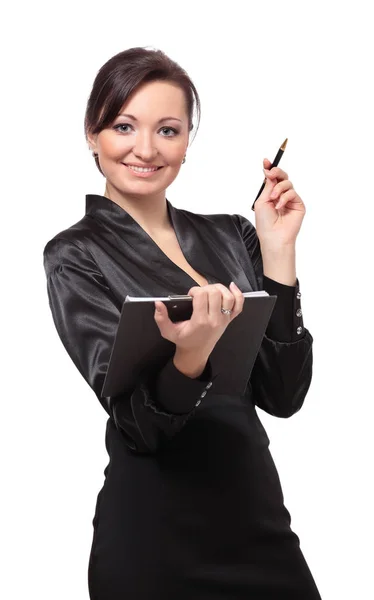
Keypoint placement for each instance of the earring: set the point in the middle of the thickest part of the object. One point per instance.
(94, 154)
(184, 160)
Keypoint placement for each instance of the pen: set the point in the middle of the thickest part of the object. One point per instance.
(274, 164)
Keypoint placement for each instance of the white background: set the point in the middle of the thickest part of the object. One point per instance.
(264, 71)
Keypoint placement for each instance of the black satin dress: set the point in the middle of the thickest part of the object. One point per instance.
(191, 507)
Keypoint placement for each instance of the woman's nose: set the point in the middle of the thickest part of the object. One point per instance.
(144, 145)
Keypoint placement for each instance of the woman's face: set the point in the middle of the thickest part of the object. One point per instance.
(155, 135)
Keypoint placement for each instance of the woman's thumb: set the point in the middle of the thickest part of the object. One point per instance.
(159, 309)
(163, 321)
(161, 314)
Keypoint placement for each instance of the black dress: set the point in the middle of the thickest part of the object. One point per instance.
(191, 506)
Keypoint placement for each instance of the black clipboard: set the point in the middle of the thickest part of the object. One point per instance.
(139, 347)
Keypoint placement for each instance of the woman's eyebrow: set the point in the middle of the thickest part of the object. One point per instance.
(160, 121)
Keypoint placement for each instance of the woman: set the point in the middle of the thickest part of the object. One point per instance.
(192, 506)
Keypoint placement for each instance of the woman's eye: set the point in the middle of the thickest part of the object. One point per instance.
(170, 129)
(121, 125)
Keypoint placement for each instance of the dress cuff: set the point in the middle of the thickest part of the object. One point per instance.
(179, 394)
(286, 322)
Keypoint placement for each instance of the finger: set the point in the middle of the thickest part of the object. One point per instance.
(193, 290)
(288, 198)
(269, 186)
(264, 197)
(215, 302)
(239, 299)
(227, 298)
(266, 163)
(269, 174)
(160, 310)
(200, 303)
(276, 173)
(281, 187)
(161, 316)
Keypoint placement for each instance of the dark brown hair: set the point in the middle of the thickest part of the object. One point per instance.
(121, 75)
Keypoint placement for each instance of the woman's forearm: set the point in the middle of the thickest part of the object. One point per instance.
(191, 364)
(280, 264)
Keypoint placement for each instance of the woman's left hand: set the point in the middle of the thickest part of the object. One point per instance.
(279, 210)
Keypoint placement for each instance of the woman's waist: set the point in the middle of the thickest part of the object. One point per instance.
(208, 457)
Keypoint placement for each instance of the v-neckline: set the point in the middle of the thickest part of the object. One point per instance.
(175, 229)
(113, 207)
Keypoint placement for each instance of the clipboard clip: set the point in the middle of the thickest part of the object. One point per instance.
(179, 296)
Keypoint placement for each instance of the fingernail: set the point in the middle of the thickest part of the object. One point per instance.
(277, 205)
(234, 284)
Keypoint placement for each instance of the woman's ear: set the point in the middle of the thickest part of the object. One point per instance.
(91, 139)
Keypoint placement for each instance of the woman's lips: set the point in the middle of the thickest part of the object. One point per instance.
(142, 173)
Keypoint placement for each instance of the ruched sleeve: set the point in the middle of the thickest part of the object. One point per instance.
(86, 315)
(282, 372)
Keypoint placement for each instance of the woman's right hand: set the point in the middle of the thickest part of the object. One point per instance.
(205, 327)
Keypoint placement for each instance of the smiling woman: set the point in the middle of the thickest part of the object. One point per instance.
(140, 114)
(191, 507)
(147, 150)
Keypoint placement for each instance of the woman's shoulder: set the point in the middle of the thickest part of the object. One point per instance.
(70, 240)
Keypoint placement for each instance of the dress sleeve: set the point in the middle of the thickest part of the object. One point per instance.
(86, 315)
(282, 372)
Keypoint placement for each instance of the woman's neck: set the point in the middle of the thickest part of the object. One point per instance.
(149, 211)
